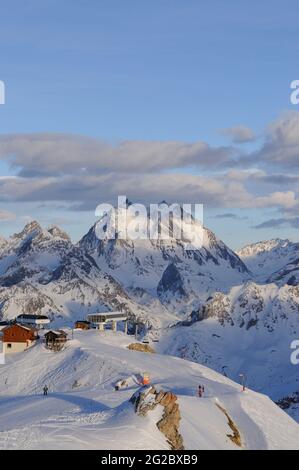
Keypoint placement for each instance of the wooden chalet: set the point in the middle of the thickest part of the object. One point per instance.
(55, 340)
(82, 325)
(17, 338)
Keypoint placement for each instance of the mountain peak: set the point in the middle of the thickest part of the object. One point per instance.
(263, 246)
(34, 225)
(55, 231)
(30, 228)
(267, 257)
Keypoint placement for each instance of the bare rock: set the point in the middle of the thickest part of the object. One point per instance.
(148, 399)
(141, 347)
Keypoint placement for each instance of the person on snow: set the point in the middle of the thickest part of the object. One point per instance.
(200, 391)
(45, 389)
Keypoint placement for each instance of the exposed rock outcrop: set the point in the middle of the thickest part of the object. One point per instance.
(148, 399)
(235, 437)
(141, 347)
(286, 402)
(171, 282)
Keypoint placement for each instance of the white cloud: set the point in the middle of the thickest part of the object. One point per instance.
(52, 154)
(280, 199)
(87, 192)
(281, 146)
(239, 134)
(83, 172)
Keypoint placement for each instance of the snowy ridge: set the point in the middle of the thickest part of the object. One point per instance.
(268, 257)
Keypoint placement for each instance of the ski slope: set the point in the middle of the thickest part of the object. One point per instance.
(83, 411)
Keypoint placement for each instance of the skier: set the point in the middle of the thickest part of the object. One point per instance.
(45, 389)
(200, 391)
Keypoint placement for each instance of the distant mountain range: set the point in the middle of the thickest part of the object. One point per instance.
(273, 261)
(41, 271)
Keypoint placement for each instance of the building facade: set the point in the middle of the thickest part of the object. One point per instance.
(17, 338)
(38, 321)
(55, 340)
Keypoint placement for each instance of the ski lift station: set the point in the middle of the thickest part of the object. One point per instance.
(100, 320)
(37, 321)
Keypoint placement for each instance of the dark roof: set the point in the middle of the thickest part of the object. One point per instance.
(83, 321)
(56, 333)
(28, 316)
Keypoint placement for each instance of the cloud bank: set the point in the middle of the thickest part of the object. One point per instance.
(83, 171)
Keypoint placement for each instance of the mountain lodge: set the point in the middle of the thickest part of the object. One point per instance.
(55, 340)
(82, 325)
(17, 338)
(38, 321)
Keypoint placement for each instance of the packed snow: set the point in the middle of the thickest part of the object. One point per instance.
(83, 411)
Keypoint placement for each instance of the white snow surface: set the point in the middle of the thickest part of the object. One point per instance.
(83, 411)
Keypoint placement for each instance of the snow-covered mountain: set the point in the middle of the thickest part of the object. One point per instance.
(33, 253)
(43, 272)
(272, 261)
(181, 279)
(249, 330)
(289, 274)
(83, 410)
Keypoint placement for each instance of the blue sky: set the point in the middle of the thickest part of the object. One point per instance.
(165, 70)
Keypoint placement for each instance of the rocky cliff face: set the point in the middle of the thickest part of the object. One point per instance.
(148, 399)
